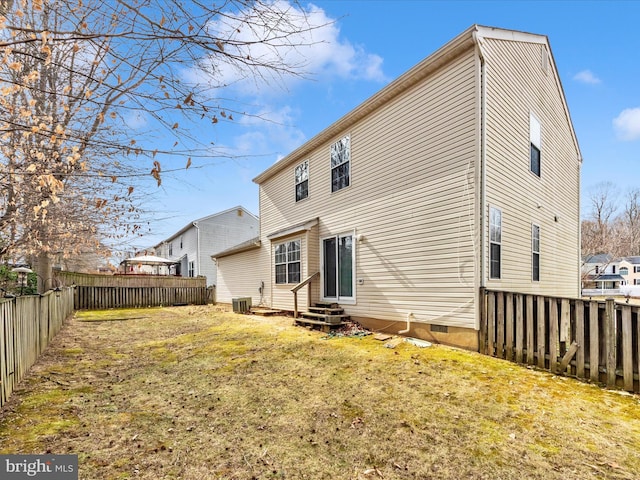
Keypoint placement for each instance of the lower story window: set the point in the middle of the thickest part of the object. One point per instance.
(495, 242)
(192, 269)
(535, 252)
(287, 260)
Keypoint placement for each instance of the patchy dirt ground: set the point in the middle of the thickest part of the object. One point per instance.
(197, 393)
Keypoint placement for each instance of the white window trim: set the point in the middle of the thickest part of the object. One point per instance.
(535, 139)
(491, 207)
(332, 167)
(286, 262)
(535, 252)
(342, 300)
(296, 183)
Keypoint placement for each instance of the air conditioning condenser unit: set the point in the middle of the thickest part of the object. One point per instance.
(241, 305)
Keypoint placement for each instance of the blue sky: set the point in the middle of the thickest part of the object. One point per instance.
(596, 47)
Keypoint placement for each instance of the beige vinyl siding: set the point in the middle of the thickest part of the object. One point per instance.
(411, 197)
(516, 87)
(313, 264)
(238, 277)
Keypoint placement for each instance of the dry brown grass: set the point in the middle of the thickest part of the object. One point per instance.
(195, 393)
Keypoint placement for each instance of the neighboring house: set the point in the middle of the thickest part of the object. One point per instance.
(605, 275)
(601, 275)
(193, 245)
(461, 174)
(629, 268)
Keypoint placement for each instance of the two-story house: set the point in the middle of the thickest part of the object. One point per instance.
(191, 247)
(461, 174)
(629, 269)
(602, 274)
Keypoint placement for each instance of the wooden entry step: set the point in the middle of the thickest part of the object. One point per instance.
(321, 324)
(326, 310)
(265, 312)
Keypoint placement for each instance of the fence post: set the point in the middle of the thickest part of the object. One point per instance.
(627, 349)
(594, 342)
(610, 341)
(482, 332)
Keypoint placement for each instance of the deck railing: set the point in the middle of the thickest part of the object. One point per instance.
(306, 281)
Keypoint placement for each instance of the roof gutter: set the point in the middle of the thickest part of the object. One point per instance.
(195, 224)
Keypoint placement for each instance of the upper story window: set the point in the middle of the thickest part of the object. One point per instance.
(624, 271)
(171, 249)
(302, 180)
(535, 253)
(636, 268)
(495, 241)
(535, 142)
(287, 260)
(340, 163)
(181, 242)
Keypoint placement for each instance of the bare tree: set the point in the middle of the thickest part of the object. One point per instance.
(73, 73)
(598, 234)
(630, 222)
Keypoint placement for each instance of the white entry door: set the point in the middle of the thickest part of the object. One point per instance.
(338, 265)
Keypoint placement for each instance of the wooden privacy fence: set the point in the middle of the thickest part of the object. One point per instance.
(135, 291)
(91, 298)
(27, 325)
(591, 340)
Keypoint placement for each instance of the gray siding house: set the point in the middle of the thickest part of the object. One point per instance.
(463, 173)
(193, 245)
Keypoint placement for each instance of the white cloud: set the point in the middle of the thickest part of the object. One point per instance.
(272, 131)
(136, 120)
(586, 76)
(314, 49)
(627, 124)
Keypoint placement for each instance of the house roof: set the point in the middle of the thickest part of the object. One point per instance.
(148, 260)
(598, 258)
(469, 38)
(195, 222)
(607, 278)
(308, 225)
(241, 247)
(634, 260)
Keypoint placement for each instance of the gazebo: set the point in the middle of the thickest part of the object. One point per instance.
(146, 265)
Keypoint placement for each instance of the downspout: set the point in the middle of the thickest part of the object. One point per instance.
(195, 224)
(483, 178)
(579, 292)
(483, 159)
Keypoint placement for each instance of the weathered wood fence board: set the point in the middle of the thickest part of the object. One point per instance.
(135, 291)
(596, 341)
(27, 324)
(135, 297)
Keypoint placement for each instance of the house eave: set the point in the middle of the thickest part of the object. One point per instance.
(194, 223)
(252, 244)
(300, 227)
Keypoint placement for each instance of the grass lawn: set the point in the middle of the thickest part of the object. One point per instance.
(196, 393)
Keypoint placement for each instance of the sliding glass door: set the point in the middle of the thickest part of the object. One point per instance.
(338, 263)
